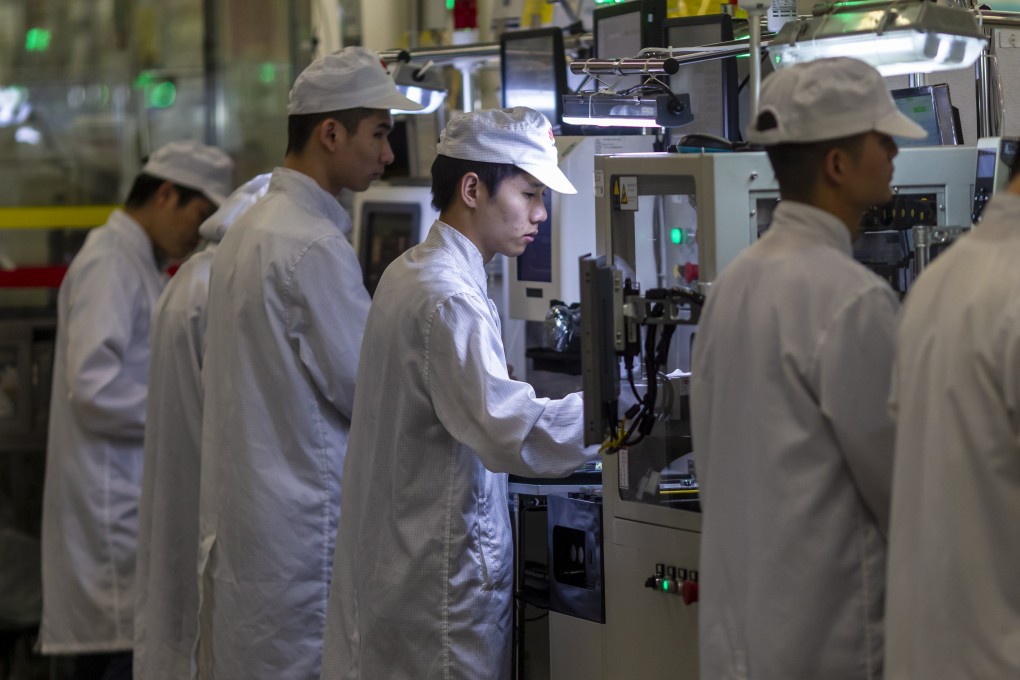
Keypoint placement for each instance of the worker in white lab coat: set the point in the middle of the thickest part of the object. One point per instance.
(166, 584)
(97, 409)
(287, 310)
(422, 578)
(953, 606)
(791, 370)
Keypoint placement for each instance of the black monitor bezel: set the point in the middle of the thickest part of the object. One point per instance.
(939, 93)
(370, 208)
(559, 65)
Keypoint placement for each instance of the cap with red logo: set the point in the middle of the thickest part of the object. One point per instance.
(519, 136)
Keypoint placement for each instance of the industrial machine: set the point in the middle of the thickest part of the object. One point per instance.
(667, 224)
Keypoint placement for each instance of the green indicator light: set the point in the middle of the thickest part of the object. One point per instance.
(163, 95)
(778, 58)
(449, 5)
(665, 586)
(144, 78)
(37, 40)
(267, 73)
(676, 236)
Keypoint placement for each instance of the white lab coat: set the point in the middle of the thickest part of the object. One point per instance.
(166, 584)
(287, 310)
(793, 445)
(422, 580)
(953, 606)
(94, 450)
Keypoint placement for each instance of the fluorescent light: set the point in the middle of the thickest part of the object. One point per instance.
(612, 110)
(894, 37)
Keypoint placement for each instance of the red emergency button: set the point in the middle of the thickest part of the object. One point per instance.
(690, 272)
(689, 590)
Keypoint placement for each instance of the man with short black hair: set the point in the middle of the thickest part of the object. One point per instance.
(97, 410)
(791, 370)
(422, 581)
(287, 310)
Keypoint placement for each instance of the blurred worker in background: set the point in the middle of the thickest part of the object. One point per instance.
(791, 371)
(166, 598)
(424, 564)
(287, 310)
(953, 606)
(97, 412)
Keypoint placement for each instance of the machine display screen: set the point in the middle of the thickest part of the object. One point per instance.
(930, 107)
(619, 35)
(534, 71)
(712, 84)
(389, 230)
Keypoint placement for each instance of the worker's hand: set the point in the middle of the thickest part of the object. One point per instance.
(510, 371)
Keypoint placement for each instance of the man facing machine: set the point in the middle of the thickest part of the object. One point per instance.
(791, 370)
(422, 578)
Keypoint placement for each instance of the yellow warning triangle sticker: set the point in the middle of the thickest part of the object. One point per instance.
(623, 196)
(616, 187)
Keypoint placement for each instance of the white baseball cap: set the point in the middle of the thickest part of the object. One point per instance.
(237, 204)
(352, 78)
(827, 99)
(193, 165)
(520, 136)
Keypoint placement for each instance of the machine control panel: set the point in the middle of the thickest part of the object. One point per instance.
(674, 580)
(995, 158)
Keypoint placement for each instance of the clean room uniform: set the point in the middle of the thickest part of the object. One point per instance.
(166, 602)
(953, 607)
(793, 445)
(94, 450)
(287, 310)
(422, 582)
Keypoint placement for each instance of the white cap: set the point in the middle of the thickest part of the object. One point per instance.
(352, 78)
(237, 204)
(195, 166)
(519, 136)
(824, 100)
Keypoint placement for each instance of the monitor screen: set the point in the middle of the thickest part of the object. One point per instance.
(930, 107)
(625, 29)
(712, 85)
(389, 229)
(533, 71)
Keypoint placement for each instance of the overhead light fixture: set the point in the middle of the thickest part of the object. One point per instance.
(913, 36)
(421, 84)
(614, 110)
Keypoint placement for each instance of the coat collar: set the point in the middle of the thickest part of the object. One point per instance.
(304, 189)
(446, 238)
(131, 233)
(813, 222)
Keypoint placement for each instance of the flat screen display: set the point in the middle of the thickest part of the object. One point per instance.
(536, 263)
(533, 69)
(625, 29)
(388, 231)
(930, 107)
(712, 85)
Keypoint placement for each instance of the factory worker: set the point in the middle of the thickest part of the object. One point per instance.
(166, 598)
(422, 578)
(97, 411)
(287, 309)
(791, 370)
(953, 604)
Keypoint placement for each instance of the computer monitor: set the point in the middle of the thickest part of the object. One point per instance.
(387, 221)
(712, 85)
(625, 29)
(930, 107)
(533, 71)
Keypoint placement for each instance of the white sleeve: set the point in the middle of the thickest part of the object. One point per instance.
(102, 306)
(854, 365)
(501, 420)
(327, 307)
